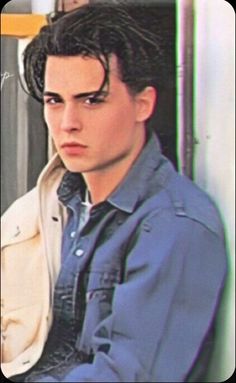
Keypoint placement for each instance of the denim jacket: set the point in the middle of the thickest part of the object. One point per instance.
(152, 262)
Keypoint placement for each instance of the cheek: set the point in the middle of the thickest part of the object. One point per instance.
(124, 125)
(120, 121)
(109, 130)
(47, 118)
(45, 114)
(52, 120)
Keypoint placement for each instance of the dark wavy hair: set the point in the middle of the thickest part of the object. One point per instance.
(98, 31)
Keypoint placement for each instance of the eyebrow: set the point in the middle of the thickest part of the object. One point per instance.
(78, 95)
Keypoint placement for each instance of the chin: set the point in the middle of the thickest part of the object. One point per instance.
(72, 166)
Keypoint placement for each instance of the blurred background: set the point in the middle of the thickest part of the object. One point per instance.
(194, 119)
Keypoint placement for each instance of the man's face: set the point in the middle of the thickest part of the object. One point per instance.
(91, 133)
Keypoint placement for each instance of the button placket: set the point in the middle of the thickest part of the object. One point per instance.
(81, 247)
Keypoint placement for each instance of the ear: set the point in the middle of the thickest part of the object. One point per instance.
(145, 103)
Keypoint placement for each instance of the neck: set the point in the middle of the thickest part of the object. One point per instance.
(102, 182)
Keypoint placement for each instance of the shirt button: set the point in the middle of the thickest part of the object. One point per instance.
(72, 234)
(79, 252)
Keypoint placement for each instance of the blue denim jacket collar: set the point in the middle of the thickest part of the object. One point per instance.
(133, 187)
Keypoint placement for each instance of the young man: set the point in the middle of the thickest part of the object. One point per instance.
(114, 264)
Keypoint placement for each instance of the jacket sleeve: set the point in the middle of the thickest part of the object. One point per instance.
(163, 312)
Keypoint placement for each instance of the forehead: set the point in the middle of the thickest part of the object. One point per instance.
(80, 71)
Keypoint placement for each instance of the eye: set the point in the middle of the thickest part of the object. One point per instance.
(52, 100)
(94, 100)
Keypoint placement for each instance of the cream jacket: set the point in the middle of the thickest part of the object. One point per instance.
(30, 261)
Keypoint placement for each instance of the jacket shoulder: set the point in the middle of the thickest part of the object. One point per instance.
(191, 201)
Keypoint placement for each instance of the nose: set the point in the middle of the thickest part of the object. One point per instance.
(70, 118)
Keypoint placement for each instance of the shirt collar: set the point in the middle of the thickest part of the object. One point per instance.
(71, 184)
(134, 186)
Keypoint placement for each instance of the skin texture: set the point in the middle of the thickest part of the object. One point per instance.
(99, 137)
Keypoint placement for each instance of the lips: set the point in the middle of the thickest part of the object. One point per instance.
(73, 148)
(73, 145)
